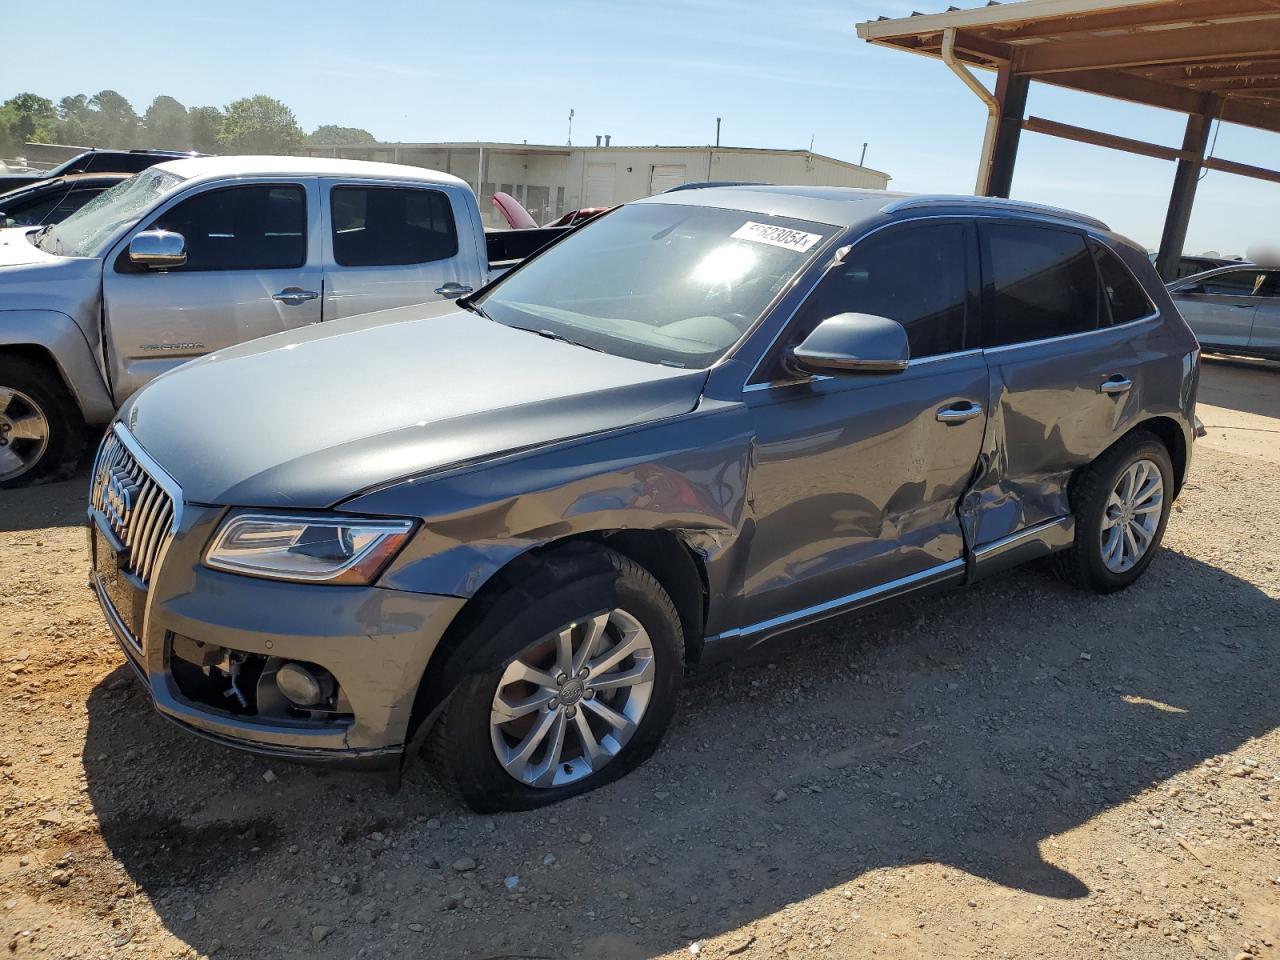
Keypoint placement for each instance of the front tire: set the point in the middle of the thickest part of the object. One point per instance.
(42, 434)
(585, 669)
(1121, 507)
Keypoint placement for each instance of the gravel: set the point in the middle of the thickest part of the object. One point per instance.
(946, 776)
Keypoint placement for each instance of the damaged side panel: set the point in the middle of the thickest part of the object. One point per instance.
(687, 475)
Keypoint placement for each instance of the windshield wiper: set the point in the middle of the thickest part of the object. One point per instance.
(549, 335)
(40, 235)
(468, 304)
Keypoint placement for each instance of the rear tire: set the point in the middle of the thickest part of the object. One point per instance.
(42, 434)
(1121, 508)
(600, 602)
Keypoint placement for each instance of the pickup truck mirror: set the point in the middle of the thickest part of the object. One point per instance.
(158, 249)
(853, 343)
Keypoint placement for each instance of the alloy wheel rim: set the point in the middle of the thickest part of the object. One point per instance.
(570, 703)
(24, 433)
(1132, 516)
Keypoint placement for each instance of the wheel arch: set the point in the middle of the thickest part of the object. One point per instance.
(53, 340)
(665, 554)
(1166, 430)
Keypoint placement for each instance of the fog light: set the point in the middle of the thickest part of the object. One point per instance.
(304, 686)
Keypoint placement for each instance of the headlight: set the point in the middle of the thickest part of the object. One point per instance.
(329, 550)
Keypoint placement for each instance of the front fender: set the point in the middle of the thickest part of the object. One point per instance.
(61, 338)
(687, 474)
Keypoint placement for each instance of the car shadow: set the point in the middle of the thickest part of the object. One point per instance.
(964, 728)
(60, 504)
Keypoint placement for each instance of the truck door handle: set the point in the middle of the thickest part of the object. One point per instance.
(294, 295)
(452, 290)
(960, 412)
(1116, 385)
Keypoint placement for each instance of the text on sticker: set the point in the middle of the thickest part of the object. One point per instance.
(796, 240)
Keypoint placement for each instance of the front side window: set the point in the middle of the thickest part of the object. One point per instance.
(915, 275)
(1233, 283)
(1270, 286)
(1043, 284)
(658, 282)
(1126, 299)
(88, 230)
(257, 227)
(391, 226)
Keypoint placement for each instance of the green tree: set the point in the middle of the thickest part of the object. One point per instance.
(331, 134)
(204, 124)
(166, 125)
(113, 121)
(74, 118)
(259, 124)
(25, 117)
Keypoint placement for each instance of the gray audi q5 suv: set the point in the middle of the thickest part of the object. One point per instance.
(504, 528)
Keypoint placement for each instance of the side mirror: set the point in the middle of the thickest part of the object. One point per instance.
(853, 343)
(158, 249)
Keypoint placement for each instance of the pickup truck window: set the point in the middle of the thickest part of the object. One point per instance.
(391, 226)
(257, 227)
(882, 275)
(662, 283)
(85, 232)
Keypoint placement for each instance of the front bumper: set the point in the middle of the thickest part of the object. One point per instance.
(376, 643)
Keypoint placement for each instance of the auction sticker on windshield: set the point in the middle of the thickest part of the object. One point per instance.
(796, 240)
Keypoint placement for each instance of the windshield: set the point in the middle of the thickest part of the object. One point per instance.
(663, 283)
(83, 233)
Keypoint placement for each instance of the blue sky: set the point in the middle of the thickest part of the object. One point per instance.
(654, 72)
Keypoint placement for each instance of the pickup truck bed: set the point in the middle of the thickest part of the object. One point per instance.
(509, 247)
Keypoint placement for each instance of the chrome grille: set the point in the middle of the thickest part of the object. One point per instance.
(133, 505)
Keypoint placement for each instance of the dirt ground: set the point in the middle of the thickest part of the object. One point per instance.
(1009, 770)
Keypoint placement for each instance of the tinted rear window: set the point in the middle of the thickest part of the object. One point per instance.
(390, 226)
(1043, 284)
(1125, 297)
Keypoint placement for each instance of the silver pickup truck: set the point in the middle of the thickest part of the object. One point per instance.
(195, 255)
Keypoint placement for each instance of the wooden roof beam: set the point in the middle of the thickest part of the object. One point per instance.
(1229, 42)
(1067, 131)
(1141, 18)
(1212, 71)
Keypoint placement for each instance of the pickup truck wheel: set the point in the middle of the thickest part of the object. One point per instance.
(42, 434)
(589, 669)
(1122, 506)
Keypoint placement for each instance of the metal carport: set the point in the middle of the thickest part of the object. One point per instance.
(1210, 59)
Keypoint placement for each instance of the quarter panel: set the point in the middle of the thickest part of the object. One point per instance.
(1048, 418)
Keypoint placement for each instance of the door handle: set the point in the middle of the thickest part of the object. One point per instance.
(1244, 306)
(294, 296)
(1116, 385)
(452, 290)
(959, 413)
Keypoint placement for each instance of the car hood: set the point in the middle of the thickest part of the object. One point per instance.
(314, 416)
(16, 250)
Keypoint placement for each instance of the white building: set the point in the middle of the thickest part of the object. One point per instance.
(551, 180)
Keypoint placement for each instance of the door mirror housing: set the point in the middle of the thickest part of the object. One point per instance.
(853, 343)
(158, 249)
